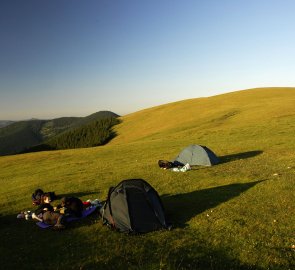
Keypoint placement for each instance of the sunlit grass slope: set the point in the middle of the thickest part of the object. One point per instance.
(236, 215)
(232, 110)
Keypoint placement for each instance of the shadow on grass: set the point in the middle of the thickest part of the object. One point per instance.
(76, 194)
(22, 242)
(186, 257)
(243, 155)
(181, 208)
(96, 247)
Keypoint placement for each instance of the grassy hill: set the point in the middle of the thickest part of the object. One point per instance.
(23, 135)
(196, 116)
(236, 215)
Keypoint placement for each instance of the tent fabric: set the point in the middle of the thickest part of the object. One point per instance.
(134, 206)
(197, 155)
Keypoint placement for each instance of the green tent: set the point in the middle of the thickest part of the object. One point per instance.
(134, 206)
(197, 155)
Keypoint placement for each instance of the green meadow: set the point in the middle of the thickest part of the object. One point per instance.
(239, 214)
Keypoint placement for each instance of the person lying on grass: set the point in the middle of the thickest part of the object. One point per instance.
(174, 166)
(71, 207)
(45, 213)
(44, 205)
(39, 193)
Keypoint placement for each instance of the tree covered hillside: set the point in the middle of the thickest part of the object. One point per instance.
(23, 135)
(17, 136)
(94, 134)
(4, 123)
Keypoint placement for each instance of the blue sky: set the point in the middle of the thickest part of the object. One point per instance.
(73, 58)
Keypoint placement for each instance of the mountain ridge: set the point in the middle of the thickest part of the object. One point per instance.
(21, 135)
(233, 109)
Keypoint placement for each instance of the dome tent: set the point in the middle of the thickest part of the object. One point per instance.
(197, 155)
(134, 206)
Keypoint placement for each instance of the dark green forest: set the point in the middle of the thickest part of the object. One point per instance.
(59, 133)
(17, 136)
(96, 133)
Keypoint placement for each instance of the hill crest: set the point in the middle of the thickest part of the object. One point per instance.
(245, 107)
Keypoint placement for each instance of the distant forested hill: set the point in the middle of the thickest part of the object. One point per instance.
(17, 136)
(24, 135)
(4, 123)
(97, 132)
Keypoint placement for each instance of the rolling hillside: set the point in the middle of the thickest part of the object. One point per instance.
(235, 215)
(22, 135)
(194, 117)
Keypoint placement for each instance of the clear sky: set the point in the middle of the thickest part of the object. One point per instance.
(76, 57)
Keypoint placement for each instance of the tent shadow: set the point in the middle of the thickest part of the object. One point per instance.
(243, 155)
(181, 208)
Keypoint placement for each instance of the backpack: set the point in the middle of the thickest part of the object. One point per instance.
(165, 164)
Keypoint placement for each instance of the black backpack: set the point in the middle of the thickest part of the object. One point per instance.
(165, 164)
